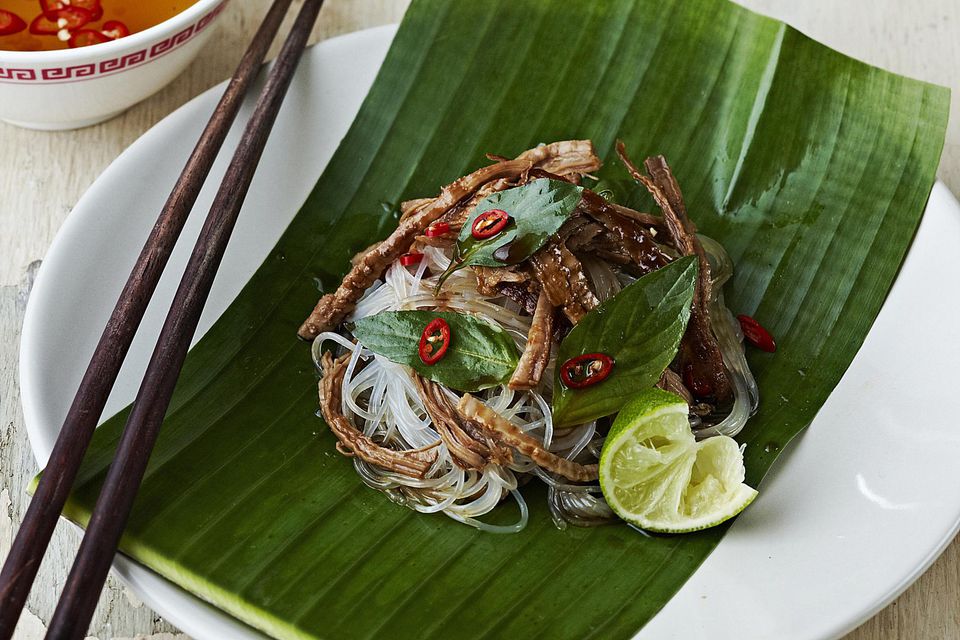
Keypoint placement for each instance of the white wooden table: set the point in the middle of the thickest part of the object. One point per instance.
(43, 174)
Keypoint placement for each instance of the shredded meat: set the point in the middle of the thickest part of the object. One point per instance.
(537, 172)
(634, 241)
(700, 359)
(562, 158)
(469, 450)
(514, 282)
(581, 234)
(536, 354)
(525, 295)
(567, 160)
(509, 434)
(562, 278)
(414, 463)
(647, 220)
(457, 215)
(355, 260)
(489, 279)
(443, 241)
(410, 207)
(670, 381)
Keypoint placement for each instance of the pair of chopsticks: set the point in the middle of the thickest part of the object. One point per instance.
(82, 589)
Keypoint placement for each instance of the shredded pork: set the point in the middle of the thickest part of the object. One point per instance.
(562, 278)
(627, 240)
(468, 452)
(700, 359)
(509, 434)
(536, 354)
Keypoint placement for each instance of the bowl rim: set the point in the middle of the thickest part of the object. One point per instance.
(59, 56)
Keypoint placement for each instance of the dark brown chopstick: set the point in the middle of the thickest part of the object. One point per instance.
(26, 553)
(82, 589)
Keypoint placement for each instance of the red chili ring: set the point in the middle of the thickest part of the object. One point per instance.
(756, 335)
(409, 259)
(10, 23)
(436, 330)
(115, 29)
(437, 229)
(51, 7)
(489, 223)
(73, 17)
(86, 37)
(43, 26)
(572, 371)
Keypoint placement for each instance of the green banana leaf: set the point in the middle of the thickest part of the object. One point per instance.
(810, 167)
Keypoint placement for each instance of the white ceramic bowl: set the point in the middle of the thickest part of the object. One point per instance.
(71, 88)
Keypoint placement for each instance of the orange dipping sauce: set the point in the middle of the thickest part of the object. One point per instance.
(40, 25)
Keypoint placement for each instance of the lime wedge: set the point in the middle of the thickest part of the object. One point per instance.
(655, 475)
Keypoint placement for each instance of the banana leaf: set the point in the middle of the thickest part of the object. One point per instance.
(810, 167)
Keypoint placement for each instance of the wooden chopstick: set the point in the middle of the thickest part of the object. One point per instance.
(83, 585)
(26, 553)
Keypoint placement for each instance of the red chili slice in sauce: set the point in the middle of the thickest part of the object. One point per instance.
(434, 341)
(73, 18)
(489, 223)
(10, 23)
(437, 229)
(586, 370)
(408, 259)
(756, 335)
(114, 29)
(87, 37)
(43, 26)
(51, 8)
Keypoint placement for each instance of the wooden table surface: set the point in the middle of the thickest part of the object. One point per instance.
(43, 174)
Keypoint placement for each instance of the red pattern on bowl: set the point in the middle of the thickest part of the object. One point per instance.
(111, 65)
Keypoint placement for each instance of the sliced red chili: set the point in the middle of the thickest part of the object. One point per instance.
(756, 335)
(10, 23)
(43, 26)
(73, 18)
(586, 370)
(114, 29)
(52, 8)
(434, 341)
(93, 6)
(87, 37)
(408, 259)
(437, 229)
(489, 223)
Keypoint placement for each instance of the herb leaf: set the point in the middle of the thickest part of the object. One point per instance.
(538, 208)
(481, 354)
(640, 328)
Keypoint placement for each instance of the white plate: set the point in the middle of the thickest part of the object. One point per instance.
(848, 518)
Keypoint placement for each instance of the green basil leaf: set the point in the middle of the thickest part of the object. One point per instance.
(481, 354)
(640, 328)
(538, 209)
